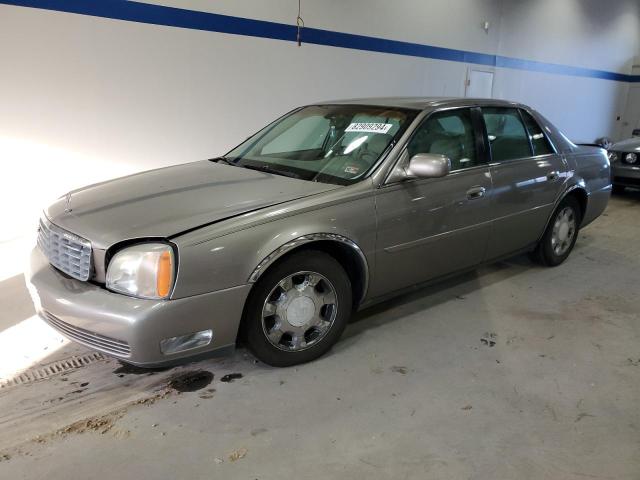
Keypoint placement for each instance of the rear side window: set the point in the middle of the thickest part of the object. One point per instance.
(539, 140)
(507, 135)
(447, 133)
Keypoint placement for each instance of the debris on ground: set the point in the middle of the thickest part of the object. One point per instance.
(151, 400)
(190, 381)
(208, 394)
(101, 424)
(467, 407)
(218, 460)
(399, 369)
(230, 377)
(489, 339)
(128, 369)
(237, 454)
(581, 416)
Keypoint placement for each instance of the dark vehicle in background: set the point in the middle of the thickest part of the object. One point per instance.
(625, 164)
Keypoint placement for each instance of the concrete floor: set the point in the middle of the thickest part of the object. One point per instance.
(414, 389)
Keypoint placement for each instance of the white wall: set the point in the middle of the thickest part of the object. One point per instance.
(85, 98)
(595, 34)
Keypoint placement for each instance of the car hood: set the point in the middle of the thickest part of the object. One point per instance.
(169, 201)
(631, 145)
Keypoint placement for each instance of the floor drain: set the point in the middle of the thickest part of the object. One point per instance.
(51, 369)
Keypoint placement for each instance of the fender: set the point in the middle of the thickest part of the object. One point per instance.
(309, 238)
(580, 184)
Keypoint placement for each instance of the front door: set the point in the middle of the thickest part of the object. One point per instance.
(527, 178)
(428, 228)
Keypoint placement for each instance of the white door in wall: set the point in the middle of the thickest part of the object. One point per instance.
(631, 119)
(479, 83)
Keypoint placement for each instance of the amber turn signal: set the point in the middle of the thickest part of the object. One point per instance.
(165, 271)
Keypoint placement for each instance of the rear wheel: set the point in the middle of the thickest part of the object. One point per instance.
(561, 234)
(298, 309)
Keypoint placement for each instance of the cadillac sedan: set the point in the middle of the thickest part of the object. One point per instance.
(326, 210)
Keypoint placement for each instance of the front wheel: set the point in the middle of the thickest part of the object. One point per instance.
(298, 309)
(561, 234)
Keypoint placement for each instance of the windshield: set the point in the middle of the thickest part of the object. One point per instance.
(326, 143)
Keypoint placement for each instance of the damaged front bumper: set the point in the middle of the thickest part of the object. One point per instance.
(135, 330)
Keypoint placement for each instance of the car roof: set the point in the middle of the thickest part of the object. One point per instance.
(422, 103)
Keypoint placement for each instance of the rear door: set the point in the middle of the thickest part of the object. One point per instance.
(527, 177)
(431, 227)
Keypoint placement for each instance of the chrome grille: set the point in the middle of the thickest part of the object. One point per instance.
(94, 340)
(65, 251)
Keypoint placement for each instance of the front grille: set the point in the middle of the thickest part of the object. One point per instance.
(91, 339)
(65, 251)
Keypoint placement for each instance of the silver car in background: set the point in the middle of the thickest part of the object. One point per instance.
(625, 164)
(330, 208)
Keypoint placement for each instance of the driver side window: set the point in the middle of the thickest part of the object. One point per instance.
(447, 133)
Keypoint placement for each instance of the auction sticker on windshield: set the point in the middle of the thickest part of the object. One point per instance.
(369, 127)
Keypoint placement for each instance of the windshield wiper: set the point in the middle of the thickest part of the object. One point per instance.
(267, 169)
(224, 160)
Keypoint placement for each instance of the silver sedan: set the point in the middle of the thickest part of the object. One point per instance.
(328, 209)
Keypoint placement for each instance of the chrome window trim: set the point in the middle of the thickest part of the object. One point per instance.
(542, 129)
(521, 159)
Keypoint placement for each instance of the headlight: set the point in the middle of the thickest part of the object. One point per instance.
(144, 271)
(631, 158)
(613, 157)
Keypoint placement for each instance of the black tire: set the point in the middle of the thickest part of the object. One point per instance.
(303, 261)
(618, 189)
(544, 253)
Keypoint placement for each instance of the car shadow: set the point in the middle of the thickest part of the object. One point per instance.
(428, 297)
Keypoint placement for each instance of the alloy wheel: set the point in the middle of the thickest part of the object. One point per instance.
(564, 230)
(299, 311)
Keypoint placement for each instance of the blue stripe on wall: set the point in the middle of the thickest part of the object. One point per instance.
(213, 22)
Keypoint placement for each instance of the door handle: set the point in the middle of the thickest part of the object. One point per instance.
(553, 176)
(476, 192)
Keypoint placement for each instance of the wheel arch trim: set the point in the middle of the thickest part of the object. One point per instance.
(279, 252)
(573, 188)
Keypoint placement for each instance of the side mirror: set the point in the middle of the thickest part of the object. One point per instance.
(428, 165)
(636, 132)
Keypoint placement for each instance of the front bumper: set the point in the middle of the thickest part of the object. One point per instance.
(131, 328)
(625, 175)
